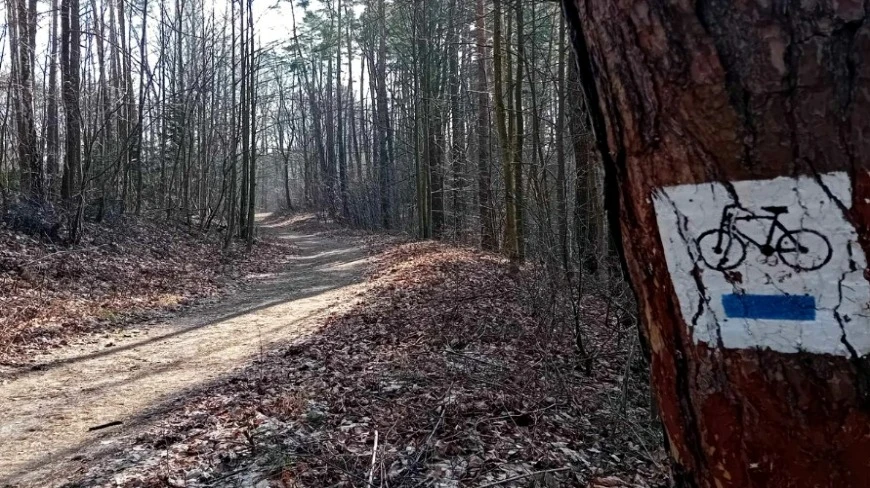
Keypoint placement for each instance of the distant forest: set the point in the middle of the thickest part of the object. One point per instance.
(452, 120)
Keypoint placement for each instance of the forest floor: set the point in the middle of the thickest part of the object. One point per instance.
(360, 362)
(127, 271)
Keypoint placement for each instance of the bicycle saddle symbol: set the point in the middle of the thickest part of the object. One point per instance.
(724, 248)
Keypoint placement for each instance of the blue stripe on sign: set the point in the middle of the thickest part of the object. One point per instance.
(771, 307)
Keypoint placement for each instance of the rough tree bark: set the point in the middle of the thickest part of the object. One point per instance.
(519, 139)
(589, 226)
(722, 94)
(136, 152)
(561, 184)
(339, 112)
(70, 62)
(385, 179)
(457, 126)
(246, 119)
(253, 80)
(488, 239)
(52, 117)
(504, 132)
(23, 41)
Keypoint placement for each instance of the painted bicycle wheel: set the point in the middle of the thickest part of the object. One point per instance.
(804, 250)
(721, 250)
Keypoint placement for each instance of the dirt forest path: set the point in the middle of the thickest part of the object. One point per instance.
(131, 377)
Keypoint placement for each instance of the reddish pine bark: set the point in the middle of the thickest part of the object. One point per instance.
(692, 92)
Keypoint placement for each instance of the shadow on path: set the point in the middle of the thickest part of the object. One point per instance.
(48, 410)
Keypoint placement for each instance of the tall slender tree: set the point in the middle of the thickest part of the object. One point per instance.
(485, 199)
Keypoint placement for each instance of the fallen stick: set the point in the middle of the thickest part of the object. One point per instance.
(496, 483)
(105, 426)
(374, 459)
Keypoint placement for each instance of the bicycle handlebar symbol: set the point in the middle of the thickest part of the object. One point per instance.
(724, 248)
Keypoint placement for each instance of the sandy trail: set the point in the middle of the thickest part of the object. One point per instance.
(46, 412)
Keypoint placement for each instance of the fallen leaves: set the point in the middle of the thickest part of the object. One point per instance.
(121, 272)
(445, 361)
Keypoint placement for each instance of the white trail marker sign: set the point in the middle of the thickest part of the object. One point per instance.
(768, 264)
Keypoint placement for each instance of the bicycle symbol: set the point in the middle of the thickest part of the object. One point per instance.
(724, 248)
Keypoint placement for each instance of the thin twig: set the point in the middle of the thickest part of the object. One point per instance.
(61, 252)
(374, 460)
(472, 358)
(431, 434)
(519, 477)
(422, 450)
(105, 426)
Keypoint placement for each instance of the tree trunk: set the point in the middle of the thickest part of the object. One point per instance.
(316, 116)
(717, 122)
(519, 138)
(504, 132)
(329, 170)
(70, 74)
(561, 183)
(367, 141)
(484, 188)
(351, 102)
(457, 141)
(52, 117)
(589, 214)
(15, 93)
(251, 108)
(246, 121)
(339, 112)
(25, 41)
(285, 147)
(118, 107)
(136, 153)
(383, 122)
(306, 163)
(234, 140)
(128, 106)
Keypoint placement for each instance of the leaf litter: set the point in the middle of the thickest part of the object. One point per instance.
(122, 273)
(445, 362)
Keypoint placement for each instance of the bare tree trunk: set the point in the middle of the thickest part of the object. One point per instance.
(316, 113)
(162, 196)
(52, 119)
(115, 107)
(457, 141)
(285, 146)
(484, 188)
(364, 158)
(70, 73)
(561, 183)
(383, 122)
(589, 225)
(246, 120)
(339, 111)
(23, 43)
(253, 66)
(504, 133)
(354, 153)
(519, 137)
(306, 169)
(128, 104)
(136, 153)
(234, 144)
(328, 176)
(423, 124)
(15, 91)
(711, 115)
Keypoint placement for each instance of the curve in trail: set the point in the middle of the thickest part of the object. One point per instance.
(46, 413)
